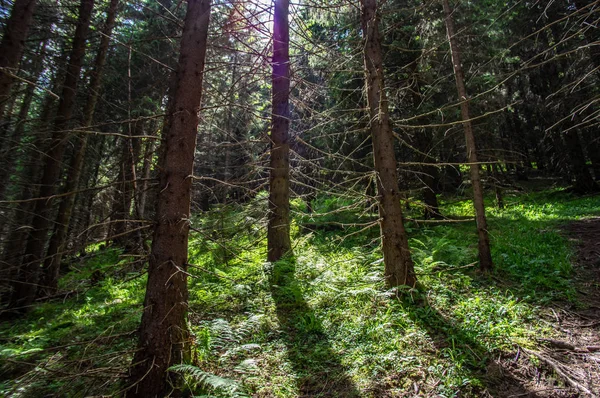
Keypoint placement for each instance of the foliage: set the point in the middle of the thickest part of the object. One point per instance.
(220, 386)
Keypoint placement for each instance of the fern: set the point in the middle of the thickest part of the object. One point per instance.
(223, 337)
(218, 385)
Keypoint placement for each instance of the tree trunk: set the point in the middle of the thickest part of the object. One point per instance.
(593, 151)
(9, 155)
(11, 48)
(164, 338)
(146, 173)
(85, 211)
(26, 286)
(485, 256)
(20, 227)
(584, 183)
(126, 195)
(399, 268)
(278, 232)
(429, 175)
(57, 241)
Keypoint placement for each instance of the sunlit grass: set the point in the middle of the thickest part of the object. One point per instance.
(276, 327)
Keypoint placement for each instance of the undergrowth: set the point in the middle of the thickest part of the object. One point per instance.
(319, 323)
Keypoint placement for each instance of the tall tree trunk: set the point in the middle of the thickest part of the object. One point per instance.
(81, 226)
(278, 232)
(26, 286)
(424, 141)
(57, 242)
(164, 338)
(485, 256)
(20, 227)
(11, 48)
(9, 156)
(399, 268)
(126, 195)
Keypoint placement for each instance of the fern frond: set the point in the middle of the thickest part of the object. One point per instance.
(221, 386)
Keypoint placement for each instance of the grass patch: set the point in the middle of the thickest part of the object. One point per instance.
(320, 323)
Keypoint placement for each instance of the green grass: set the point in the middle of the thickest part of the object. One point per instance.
(320, 321)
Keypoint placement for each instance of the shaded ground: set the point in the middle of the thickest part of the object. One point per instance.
(568, 365)
(320, 372)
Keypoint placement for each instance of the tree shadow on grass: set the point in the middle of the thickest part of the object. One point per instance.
(318, 367)
(495, 372)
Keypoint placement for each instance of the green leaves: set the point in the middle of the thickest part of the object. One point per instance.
(217, 385)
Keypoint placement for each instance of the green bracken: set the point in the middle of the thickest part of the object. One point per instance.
(319, 318)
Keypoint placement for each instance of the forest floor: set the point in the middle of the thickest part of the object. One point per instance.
(572, 355)
(321, 323)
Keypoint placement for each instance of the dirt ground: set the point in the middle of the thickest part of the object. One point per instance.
(569, 364)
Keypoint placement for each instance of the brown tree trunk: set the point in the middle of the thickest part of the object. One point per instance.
(164, 338)
(13, 243)
(9, 155)
(429, 175)
(126, 195)
(11, 48)
(399, 268)
(485, 256)
(57, 241)
(278, 232)
(26, 286)
(86, 212)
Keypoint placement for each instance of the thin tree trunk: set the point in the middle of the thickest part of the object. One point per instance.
(20, 227)
(485, 256)
(125, 197)
(57, 242)
(278, 233)
(9, 156)
(11, 48)
(164, 338)
(399, 268)
(86, 210)
(146, 173)
(26, 286)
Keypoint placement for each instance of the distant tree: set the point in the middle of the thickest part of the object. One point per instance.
(11, 48)
(485, 256)
(56, 246)
(25, 287)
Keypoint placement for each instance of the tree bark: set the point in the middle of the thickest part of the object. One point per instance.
(399, 268)
(126, 195)
(278, 232)
(9, 155)
(11, 48)
(26, 286)
(56, 247)
(485, 256)
(164, 338)
(20, 227)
